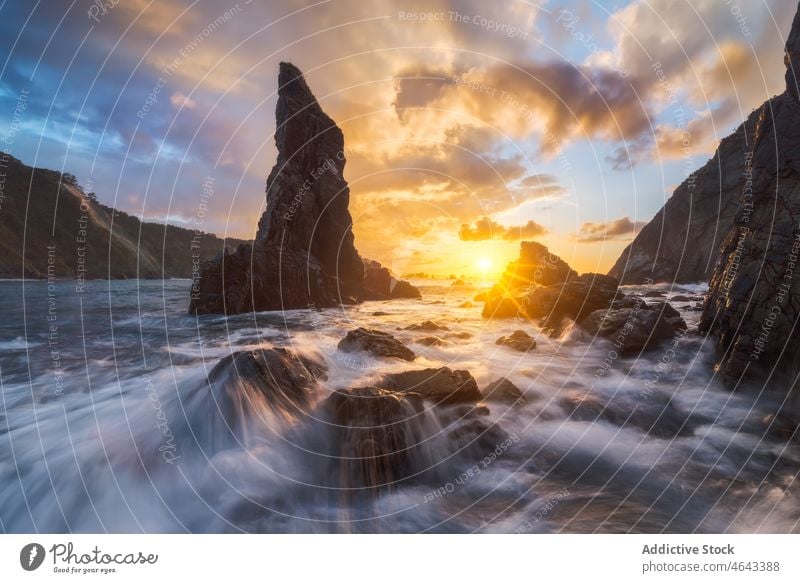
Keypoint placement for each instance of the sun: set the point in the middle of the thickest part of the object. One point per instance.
(484, 264)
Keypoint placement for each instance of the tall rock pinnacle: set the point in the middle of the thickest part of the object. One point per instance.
(304, 253)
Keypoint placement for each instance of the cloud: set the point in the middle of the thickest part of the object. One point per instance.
(540, 186)
(618, 230)
(417, 87)
(179, 100)
(486, 229)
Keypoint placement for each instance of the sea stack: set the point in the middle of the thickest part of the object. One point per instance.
(753, 303)
(304, 254)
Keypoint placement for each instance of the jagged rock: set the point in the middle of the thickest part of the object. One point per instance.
(375, 342)
(303, 254)
(375, 434)
(573, 299)
(695, 236)
(380, 284)
(536, 265)
(504, 391)
(681, 243)
(654, 414)
(443, 386)
(654, 293)
(680, 298)
(633, 329)
(427, 326)
(753, 301)
(466, 305)
(548, 289)
(518, 340)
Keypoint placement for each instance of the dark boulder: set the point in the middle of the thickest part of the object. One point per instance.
(375, 342)
(443, 386)
(518, 340)
(504, 391)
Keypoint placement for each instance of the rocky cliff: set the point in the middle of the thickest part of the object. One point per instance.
(304, 253)
(49, 225)
(753, 304)
(681, 243)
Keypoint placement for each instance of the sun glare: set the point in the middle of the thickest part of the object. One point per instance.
(484, 264)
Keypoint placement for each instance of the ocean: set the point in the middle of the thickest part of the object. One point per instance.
(107, 424)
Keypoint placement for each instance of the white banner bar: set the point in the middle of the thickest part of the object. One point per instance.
(399, 558)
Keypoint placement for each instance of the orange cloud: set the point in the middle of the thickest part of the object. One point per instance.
(486, 229)
(619, 229)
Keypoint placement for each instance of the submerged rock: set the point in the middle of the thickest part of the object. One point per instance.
(653, 413)
(473, 435)
(443, 386)
(504, 391)
(427, 326)
(518, 340)
(375, 433)
(251, 391)
(633, 329)
(375, 342)
(432, 341)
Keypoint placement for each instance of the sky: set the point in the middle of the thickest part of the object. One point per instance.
(469, 126)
